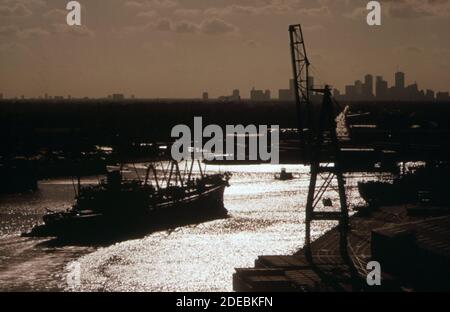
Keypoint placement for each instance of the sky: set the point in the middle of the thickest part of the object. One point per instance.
(180, 48)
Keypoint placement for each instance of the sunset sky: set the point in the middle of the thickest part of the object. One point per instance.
(180, 48)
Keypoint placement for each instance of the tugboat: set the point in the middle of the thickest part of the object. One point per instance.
(117, 206)
(284, 175)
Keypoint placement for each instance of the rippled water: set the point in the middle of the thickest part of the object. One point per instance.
(266, 217)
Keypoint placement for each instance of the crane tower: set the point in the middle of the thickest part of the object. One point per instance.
(319, 145)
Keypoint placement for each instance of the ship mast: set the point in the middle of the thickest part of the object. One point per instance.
(172, 173)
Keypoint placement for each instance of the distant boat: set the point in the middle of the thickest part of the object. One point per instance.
(284, 175)
(119, 206)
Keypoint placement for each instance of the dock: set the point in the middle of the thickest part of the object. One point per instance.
(412, 248)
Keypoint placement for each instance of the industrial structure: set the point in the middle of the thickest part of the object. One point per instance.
(338, 260)
(317, 140)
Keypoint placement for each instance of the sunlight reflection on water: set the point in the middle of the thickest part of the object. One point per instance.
(266, 217)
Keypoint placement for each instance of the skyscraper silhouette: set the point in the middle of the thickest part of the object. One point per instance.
(399, 80)
(368, 86)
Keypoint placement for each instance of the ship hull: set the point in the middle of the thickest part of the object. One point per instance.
(379, 193)
(197, 208)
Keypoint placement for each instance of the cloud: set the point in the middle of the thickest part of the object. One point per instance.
(186, 27)
(187, 12)
(28, 3)
(14, 32)
(413, 49)
(8, 31)
(163, 25)
(151, 4)
(18, 10)
(274, 8)
(252, 43)
(357, 13)
(232, 9)
(403, 10)
(210, 26)
(56, 15)
(313, 28)
(409, 49)
(33, 33)
(412, 9)
(315, 12)
(80, 31)
(147, 14)
(14, 47)
(134, 5)
(216, 26)
(406, 9)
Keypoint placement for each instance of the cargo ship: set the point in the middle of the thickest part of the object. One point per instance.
(119, 206)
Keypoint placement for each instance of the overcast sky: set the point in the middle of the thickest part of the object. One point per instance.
(180, 48)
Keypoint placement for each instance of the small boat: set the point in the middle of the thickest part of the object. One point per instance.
(283, 175)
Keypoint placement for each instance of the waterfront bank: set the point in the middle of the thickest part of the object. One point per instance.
(411, 243)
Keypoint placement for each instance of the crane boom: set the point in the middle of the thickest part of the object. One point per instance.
(300, 67)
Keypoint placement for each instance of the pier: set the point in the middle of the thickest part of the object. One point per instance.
(413, 250)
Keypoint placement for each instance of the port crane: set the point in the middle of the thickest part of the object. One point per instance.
(319, 144)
